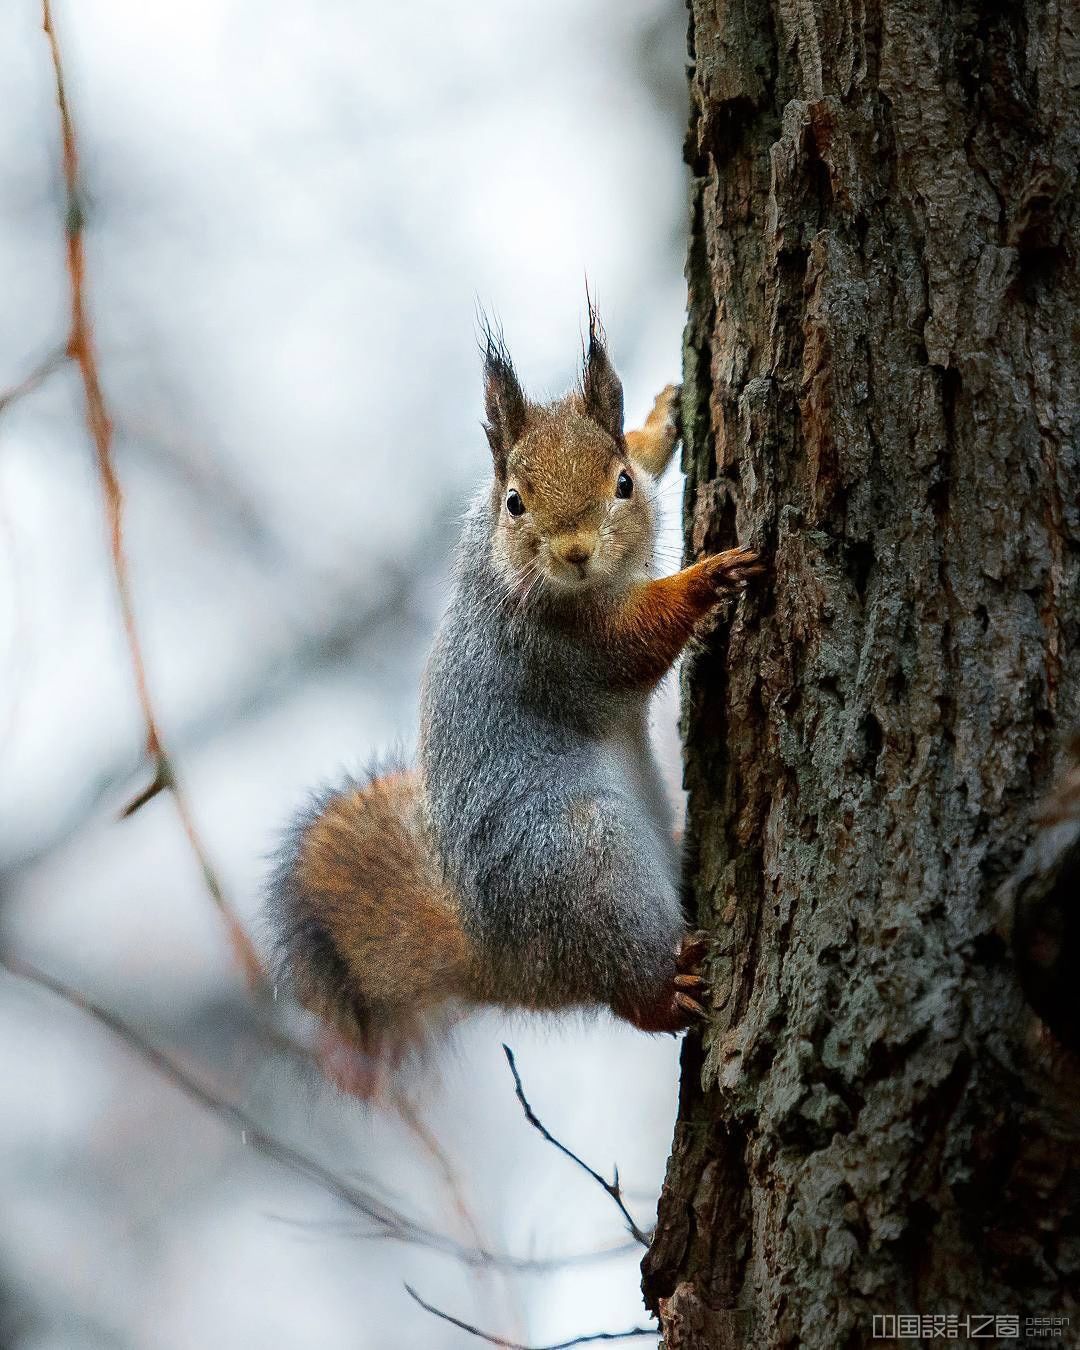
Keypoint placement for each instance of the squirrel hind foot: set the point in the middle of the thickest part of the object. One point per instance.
(680, 1003)
(672, 1012)
(692, 952)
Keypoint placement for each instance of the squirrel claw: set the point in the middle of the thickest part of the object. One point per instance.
(690, 985)
(691, 952)
(688, 1004)
(679, 1005)
(735, 569)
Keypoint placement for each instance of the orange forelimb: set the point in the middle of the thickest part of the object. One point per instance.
(658, 618)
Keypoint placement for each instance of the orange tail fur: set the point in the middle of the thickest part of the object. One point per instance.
(370, 935)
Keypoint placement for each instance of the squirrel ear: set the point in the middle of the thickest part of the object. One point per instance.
(504, 401)
(601, 386)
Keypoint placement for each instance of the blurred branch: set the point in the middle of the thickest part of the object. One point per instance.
(202, 474)
(595, 1336)
(500, 1261)
(80, 348)
(356, 622)
(157, 785)
(611, 1187)
(429, 1143)
(452, 1184)
(37, 376)
(389, 1223)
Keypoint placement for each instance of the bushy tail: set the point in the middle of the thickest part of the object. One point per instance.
(369, 935)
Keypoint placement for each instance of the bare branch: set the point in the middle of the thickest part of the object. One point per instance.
(157, 785)
(36, 377)
(429, 1143)
(592, 1338)
(357, 622)
(388, 1223)
(611, 1187)
(80, 348)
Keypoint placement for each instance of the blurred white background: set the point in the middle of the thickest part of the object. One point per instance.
(292, 211)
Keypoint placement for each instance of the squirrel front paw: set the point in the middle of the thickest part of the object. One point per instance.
(664, 417)
(654, 444)
(733, 569)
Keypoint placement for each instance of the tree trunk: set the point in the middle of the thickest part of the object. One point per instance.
(881, 394)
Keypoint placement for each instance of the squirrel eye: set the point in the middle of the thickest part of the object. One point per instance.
(624, 485)
(514, 504)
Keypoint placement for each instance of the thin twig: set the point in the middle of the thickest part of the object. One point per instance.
(428, 1141)
(357, 623)
(388, 1222)
(595, 1336)
(455, 1190)
(36, 377)
(80, 348)
(385, 1218)
(157, 785)
(612, 1187)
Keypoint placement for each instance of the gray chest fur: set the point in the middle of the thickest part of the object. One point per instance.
(543, 800)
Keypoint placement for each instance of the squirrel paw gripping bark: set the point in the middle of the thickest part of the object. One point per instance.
(690, 985)
(733, 570)
(679, 1004)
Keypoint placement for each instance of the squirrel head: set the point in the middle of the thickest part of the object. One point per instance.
(572, 512)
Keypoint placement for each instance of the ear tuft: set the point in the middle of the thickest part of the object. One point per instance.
(601, 387)
(504, 402)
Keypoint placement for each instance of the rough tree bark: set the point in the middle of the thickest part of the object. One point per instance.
(882, 393)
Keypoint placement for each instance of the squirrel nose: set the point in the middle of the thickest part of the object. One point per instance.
(576, 551)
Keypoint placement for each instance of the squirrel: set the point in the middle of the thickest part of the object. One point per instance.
(528, 860)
